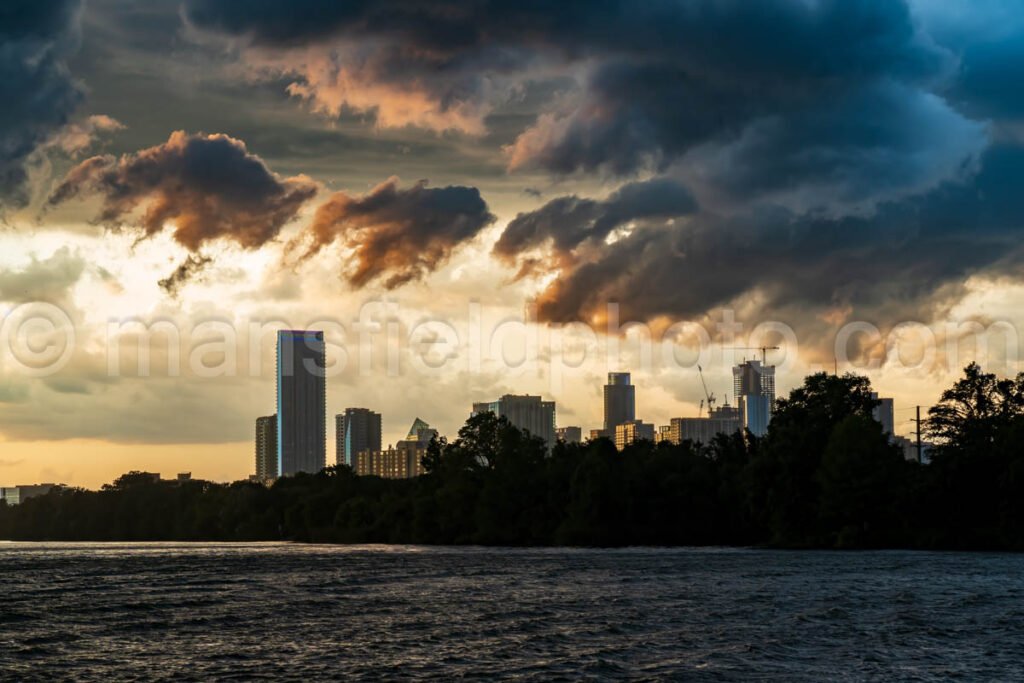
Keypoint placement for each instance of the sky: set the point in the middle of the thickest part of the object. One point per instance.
(489, 197)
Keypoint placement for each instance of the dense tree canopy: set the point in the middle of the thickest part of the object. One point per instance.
(824, 476)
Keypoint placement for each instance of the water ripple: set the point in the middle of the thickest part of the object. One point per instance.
(277, 611)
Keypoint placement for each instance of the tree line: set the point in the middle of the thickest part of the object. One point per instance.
(824, 476)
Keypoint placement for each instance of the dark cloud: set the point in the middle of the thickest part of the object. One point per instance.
(874, 144)
(988, 83)
(567, 222)
(208, 186)
(663, 77)
(398, 234)
(189, 268)
(906, 261)
(38, 93)
(843, 38)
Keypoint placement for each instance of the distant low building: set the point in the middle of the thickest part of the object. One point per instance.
(396, 462)
(724, 420)
(569, 434)
(15, 495)
(909, 447)
(884, 413)
(529, 413)
(404, 460)
(602, 434)
(630, 432)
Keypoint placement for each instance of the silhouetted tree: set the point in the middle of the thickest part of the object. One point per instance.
(824, 476)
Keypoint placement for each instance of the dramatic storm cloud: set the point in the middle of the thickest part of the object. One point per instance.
(208, 186)
(567, 222)
(38, 93)
(396, 234)
(903, 262)
(817, 138)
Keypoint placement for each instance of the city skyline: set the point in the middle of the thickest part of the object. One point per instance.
(490, 339)
(182, 164)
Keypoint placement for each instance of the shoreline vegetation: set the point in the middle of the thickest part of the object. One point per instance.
(825, 476)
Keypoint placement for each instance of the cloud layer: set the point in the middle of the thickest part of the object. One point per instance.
(208, 187)
(397, 235)
(38, 93)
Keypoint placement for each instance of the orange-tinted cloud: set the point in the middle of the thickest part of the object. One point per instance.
(395, 234)
(208, 187)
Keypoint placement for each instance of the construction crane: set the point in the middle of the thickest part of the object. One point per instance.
(707, 395)
(763, 349)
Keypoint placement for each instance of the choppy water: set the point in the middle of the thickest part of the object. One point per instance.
(207, 611)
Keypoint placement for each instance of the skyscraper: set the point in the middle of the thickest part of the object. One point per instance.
(754, 387)
(357, 429)
(266, 448)
(525, 412)
(884, 414)
(619, 402)
(301, 402)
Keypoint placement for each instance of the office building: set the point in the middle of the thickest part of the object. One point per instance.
(619, 401)
(420, 432)
(402, 461)
(724, 420)
(357, 429)
(601, 434)
(664, 434)
(754, 388)
(630, 432)
(15, 495)
(266, 448)
(396, 462)
(569, 434)
(301, 402)
(910, 450)
(884, 413)
(525, 412)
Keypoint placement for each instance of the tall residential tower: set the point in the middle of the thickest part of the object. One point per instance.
(301, 402)
(754, 388)
(266, 448)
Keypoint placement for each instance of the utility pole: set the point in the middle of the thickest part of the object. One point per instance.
(919, 435)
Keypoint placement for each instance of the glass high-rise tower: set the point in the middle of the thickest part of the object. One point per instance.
(754, 388)
(356, 430)
(619, 402)
(301, 402)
